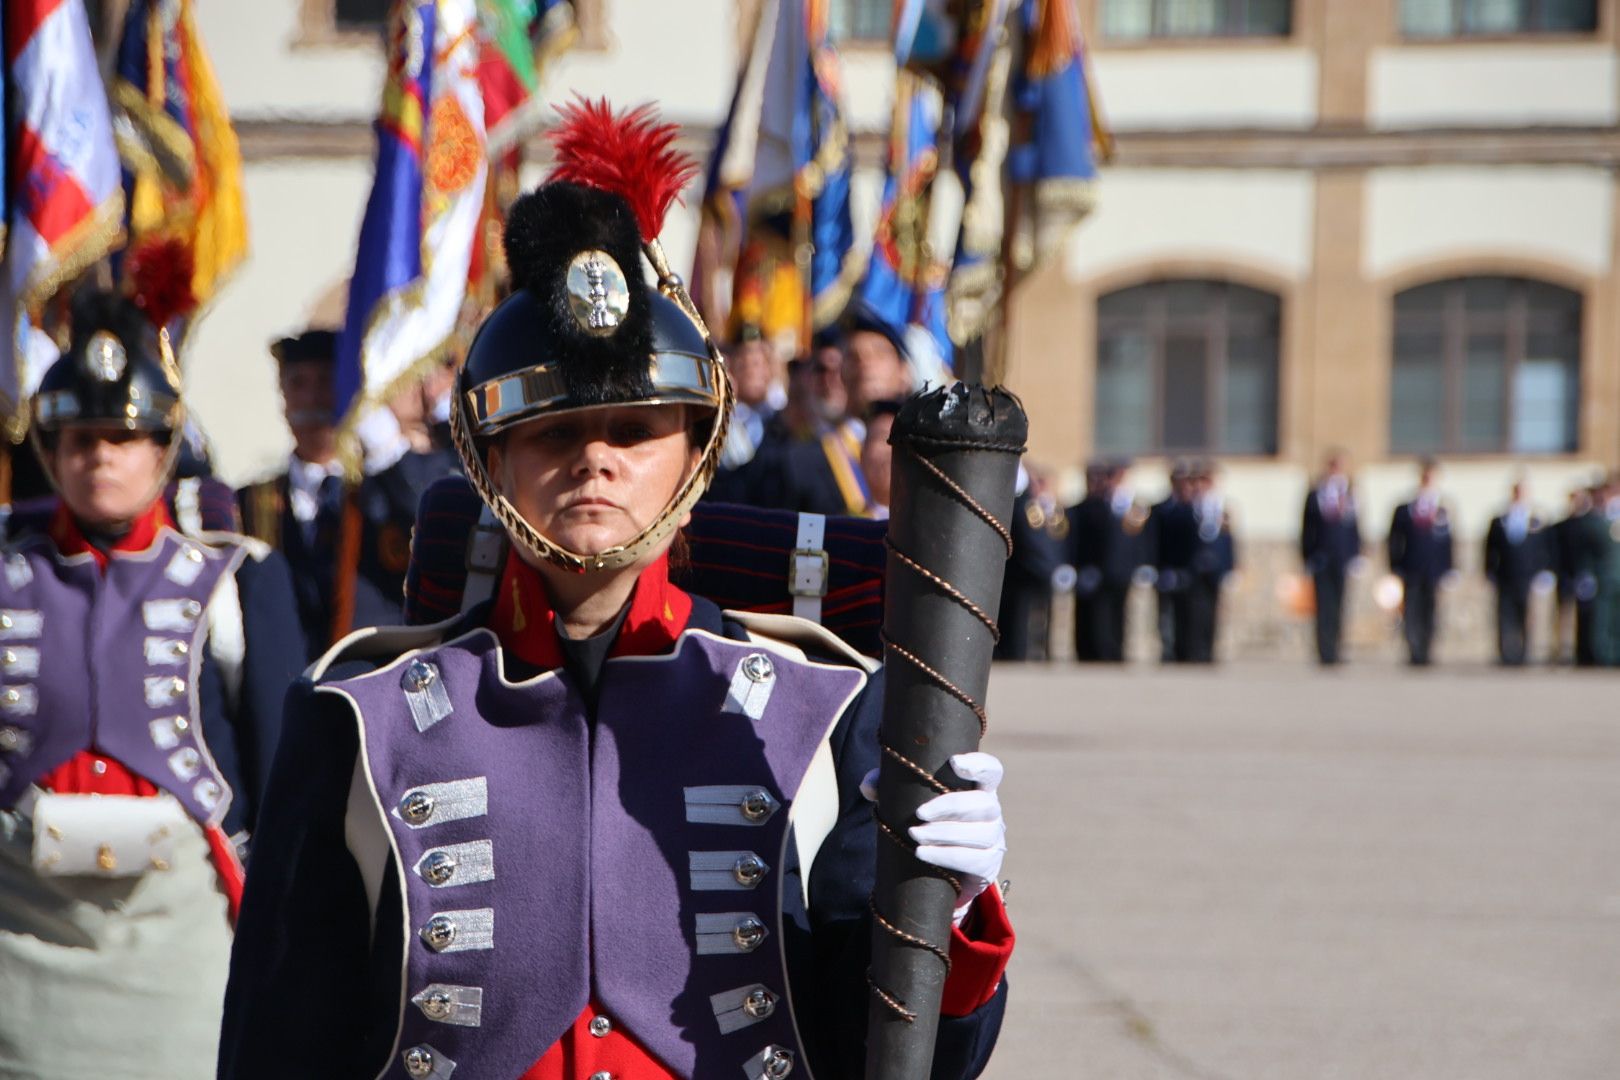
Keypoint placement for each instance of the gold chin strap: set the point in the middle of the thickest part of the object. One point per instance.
(528, 538)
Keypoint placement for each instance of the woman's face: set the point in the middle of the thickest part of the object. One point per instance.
(593, 480)
(108, 476)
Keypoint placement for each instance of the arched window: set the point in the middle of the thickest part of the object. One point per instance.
(1486, 365)
(1187, 367)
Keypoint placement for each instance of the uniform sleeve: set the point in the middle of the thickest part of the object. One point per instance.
(305, 996)
(272, 658)
(840, 887)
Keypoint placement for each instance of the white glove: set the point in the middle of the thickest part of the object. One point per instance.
(962, 831)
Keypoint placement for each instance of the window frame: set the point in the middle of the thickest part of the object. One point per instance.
(1525, 34)
(1215, 326)
(1456, 324)
(1158, 37)
(318, 27)
(884, 40)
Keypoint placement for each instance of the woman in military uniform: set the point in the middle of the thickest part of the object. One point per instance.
(141, 677)
(597, 827)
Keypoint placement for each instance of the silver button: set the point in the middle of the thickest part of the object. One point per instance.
(757, 805)
(603, 1075)
(191, 609)
(601, 1026)
(419, 675)
(11, 696)
(10, 739)
(181, 723)
(177, 686)
(194, 555)
(778, 1063)
(759, 1004)
(7, 622)
(439, 933)
(749, 871)
(419, 1061)
(208, 793)
(9, 658)
(748, 934)
(99, 767)
(439, 868)
(179, 648)
(436, 1006)
(758, 667)
(416, 807)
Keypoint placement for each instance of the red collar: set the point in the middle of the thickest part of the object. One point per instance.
(524, 620)
(143, 532)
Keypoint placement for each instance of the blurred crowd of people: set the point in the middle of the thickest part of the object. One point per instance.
(1183, 548)
(813, 437)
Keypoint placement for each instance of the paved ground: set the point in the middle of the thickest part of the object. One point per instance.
(1270, 872)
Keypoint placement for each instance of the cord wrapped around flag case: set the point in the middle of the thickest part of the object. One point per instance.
(956, 456)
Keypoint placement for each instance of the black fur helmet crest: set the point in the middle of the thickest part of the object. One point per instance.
(116, 371)
(582, 328)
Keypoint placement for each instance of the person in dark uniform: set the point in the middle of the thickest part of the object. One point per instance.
(794, 466)
(142, 672)
(596, 826)
(1577, 583)
(1420, 554)
(348, 544)
(1105, 536)
(1518, 549)
(1214, 558)
(748, 362)
(1600, 572)
(1168, 552)
(1330, 542)
(1040, 528)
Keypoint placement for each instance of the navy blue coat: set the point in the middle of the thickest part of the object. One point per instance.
(1328, 546)
(305, 924)
(1513, 566)
(1417, 553)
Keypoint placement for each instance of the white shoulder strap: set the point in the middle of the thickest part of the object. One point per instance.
(227, 638)
(808, 566)
(187, 506)
(486, 548)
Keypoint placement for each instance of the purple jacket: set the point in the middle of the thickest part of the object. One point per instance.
(463, 857)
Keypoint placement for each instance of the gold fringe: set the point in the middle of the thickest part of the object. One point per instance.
(168, 146)
(86, 244)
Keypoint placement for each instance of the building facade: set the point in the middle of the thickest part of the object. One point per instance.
(1384, 226)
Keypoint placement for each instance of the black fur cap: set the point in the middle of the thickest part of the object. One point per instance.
(545, 230)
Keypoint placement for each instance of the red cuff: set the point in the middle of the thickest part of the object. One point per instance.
(979, 962)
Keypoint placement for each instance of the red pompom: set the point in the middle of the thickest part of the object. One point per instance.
(630, 155)
(160, 274)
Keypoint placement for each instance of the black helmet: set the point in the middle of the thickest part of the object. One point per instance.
(116, 371)
(583, 329)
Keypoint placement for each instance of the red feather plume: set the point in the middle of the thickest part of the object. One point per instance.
(160, 274)
(630, 155)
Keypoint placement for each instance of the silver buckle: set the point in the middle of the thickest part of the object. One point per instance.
(815, 580)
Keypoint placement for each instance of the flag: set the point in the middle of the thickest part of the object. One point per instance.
(1052, 163)
(777, 207)
(183, 165)
(5, 138)
(421, 224)
(64, 198)
(978, 76)
(521, 38)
